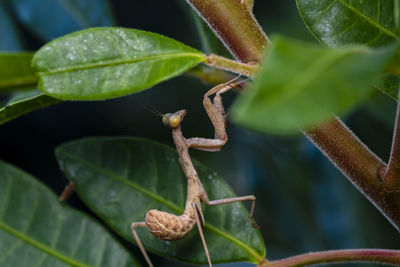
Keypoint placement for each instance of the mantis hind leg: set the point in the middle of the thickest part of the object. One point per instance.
(200, 224)
(139, 243)
(68, 190)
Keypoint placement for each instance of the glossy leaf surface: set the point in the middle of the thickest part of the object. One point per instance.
(120, 179)
(51, 19)
(36, 230)
(16, 70)
(24, 102)
(389, 84)
(302, 84)
(340, 22)
(102, 63)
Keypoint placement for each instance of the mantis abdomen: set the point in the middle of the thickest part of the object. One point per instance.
(168, 226)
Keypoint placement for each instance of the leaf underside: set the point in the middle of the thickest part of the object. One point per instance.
(102, 63)
(120, 179)
(24, 102)
(36, 230)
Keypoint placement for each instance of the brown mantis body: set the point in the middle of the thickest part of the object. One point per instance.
(171, 227)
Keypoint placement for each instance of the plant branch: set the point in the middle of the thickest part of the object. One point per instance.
(231, 65)
(363, 168)
(349, 154)
(391, 177)
(234, 23)
(383, 256)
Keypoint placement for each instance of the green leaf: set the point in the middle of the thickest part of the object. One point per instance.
(16, 71)
(36, 230)
(102, 63)
(302, 84)
(389, 84)
(24, 102)
(340, 22)
(120, 179)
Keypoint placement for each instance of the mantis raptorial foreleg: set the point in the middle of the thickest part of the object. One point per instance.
(216, 112)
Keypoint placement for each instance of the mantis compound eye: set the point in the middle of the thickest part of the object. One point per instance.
(173, 120)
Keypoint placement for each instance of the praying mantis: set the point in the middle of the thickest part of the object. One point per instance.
(170, 227)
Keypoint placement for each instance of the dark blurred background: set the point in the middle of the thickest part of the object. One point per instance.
(303, 203)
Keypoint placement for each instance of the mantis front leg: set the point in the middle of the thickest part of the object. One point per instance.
(216, 112)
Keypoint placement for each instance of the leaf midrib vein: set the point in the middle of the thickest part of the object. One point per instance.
(165, 202)
(369, 20)
(117, 62)
(124, 180)
(39, 245)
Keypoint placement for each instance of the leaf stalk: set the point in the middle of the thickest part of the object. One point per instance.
(219, 62)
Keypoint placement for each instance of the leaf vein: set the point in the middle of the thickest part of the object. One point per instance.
(11, 249)
(6, 198)
(101, 250)
(346, 29)
(79, 239)
(119, 62)
(40, 246)
(369, 20)
(327, 7)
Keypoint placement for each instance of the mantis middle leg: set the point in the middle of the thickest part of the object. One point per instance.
(234, 199)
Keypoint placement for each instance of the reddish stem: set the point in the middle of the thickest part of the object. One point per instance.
(232, 21)
(349, 154)
(360, 165)
(391, 257)
(391, 177)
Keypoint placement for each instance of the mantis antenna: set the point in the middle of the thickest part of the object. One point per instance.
(166, 226)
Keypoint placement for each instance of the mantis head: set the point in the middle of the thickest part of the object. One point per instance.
(173, 120)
